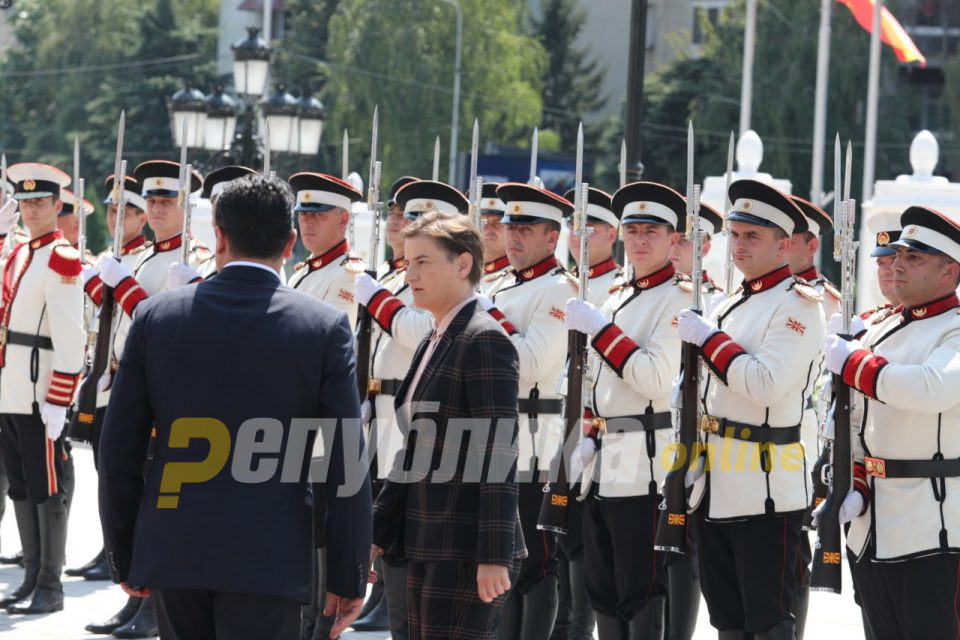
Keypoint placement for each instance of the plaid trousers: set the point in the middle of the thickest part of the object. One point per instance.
(442, 602)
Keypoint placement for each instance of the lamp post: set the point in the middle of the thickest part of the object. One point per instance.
(455, 117)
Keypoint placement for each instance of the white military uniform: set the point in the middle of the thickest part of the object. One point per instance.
(603, 277)
(493, 270)
(713, 293)
(763, 362)
(329, 277)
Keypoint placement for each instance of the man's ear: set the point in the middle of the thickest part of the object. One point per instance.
(291, 242)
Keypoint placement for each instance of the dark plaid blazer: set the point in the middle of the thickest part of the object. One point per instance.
(452, 492)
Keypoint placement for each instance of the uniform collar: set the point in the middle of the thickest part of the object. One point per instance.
(537, 270)
(169, 244)
(136, 243)
(499, 264)
(603, 268)
(932, 309)
(319, 262)
(45, 239)
(396, 263)
(809, 275)
(768, 281)
(655, 279)
(704, 278)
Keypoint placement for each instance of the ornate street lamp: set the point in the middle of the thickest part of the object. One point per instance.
(188, 106)
(251, 61)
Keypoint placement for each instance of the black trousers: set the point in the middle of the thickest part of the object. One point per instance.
(34, 463)
(201, 614)
(917, 598)
(443, 604)
(748, 569)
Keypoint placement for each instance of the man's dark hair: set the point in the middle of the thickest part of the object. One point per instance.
(256, 216)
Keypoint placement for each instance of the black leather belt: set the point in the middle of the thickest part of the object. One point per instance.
(750, 432)
(26, 340)
(383, 387)
(526, 406)
(934, 468)
(631, 424)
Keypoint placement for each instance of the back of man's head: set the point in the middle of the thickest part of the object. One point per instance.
(255, 214)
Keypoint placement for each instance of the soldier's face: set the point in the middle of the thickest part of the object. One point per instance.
(647, 246)
(494, 237)
(920, 277)
(437, 279)
(757, 250)
(40, 214)
(885, 278)
(165, 218)
(803, 248)
(601, 238)
(528, 244)
(321, 231)
(133, 221)
(395, 224)
(69, 225)
(681, 252)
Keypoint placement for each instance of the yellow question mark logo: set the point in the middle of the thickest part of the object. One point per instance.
(176, 473)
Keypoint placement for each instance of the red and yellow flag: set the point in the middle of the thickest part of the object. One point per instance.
(891, 31)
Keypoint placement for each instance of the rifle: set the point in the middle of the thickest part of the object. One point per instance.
(671, 534)
(81, 425)
(344, 175)
(826, 573)
(728, 257)
(555, 506)
(365, 331)
(183, 197)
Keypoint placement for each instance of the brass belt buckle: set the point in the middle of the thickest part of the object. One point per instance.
(373, 386)
(709, 424)
(876, 467)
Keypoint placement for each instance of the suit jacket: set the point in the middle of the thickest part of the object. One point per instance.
(471, 380)
(237, 347)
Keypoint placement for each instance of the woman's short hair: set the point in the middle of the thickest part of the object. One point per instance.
(455, 233)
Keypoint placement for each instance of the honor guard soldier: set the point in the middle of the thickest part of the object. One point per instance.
(681, 253)
(636, 355)
(401, 329)
(496, 264)
(69, 223)
(886, 229)
(41, 354)
(603, 225)
(903, 532)
(213, 183)
(750, 481)
(323, 210)
(803, 250)
(390, 274)
(529, 304)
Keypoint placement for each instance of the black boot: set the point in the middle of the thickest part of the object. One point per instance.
(48, 596)
(734, 634)
(77, 572)
(99, 572)
(16, 558)
(29, 528)
(684, 599)
(142, 625)
(647, 623)
(610, 628)
(783, 630)
(800, 610)
(119, 619)
(540, 608)
(581, 613)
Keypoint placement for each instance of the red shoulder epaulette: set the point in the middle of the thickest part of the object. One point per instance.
(65, 260)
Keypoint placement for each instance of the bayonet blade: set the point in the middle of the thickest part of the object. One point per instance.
(474, 151)
(534, 144)
(436, 159)
(848, 171)
(689, 169)
(345, 156)
(623, 162)
(266, 147)
(118, 157)
(578, 170)
(3, 179)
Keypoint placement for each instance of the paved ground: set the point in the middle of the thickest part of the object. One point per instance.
(830, 616)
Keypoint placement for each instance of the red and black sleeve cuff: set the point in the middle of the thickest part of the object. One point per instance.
(860, 484)
(502, 319)
(590, 428)
(62, 388)
(862, 370)
(383, 306)
(94, 289)
(129, 294)
(719, 352)
(614, 346)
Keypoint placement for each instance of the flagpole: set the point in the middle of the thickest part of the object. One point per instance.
(873, 91)
(746, 84)
(820, 102)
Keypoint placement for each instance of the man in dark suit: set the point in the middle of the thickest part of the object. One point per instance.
(226, 371)
(450, 503)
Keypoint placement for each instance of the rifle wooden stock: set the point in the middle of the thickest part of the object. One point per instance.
(671, 533)
(81, 425)
(555, 507)
(828, 553)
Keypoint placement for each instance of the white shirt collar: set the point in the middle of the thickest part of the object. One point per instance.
(246, 263)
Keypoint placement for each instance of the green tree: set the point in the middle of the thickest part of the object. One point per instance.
(571, 77)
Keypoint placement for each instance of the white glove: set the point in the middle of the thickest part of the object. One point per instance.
(694, 328)
(695, 471)
(111, 271)
(54, 416)
(8, 216)
(180, 274)
(365, 288)
(366, 412)
(581, 457)
(835, 325)
(88, 272)
(850, 508)
(485, 303)
(836, 350)
(583, 317)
